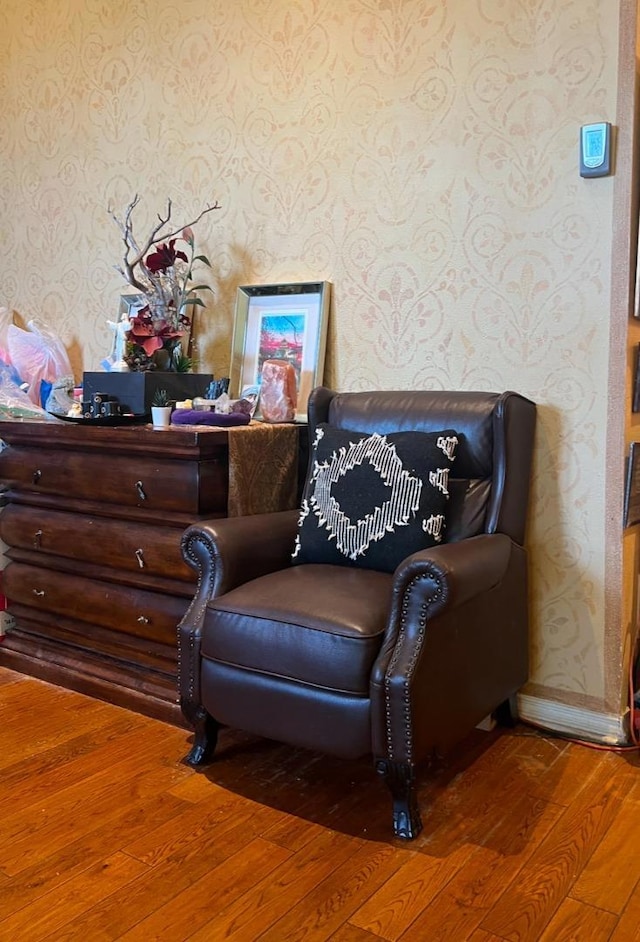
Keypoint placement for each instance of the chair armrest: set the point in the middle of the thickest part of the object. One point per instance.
(453, 573)
(429, 583)
(428, 588)
(225, 553)
(231, 550)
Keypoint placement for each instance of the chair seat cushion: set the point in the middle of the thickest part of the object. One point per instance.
(316, 624)
(372, 500)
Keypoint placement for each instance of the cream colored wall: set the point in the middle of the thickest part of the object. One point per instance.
(421, 157)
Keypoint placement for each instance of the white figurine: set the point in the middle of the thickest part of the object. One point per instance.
(120, 329)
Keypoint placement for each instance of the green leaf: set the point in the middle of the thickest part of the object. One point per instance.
(202, 258)
(200, 288)
(183, 364)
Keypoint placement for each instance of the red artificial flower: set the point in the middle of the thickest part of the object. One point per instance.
(164, 257)
(150, 334)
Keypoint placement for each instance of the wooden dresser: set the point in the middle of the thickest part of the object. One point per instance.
(96, 583)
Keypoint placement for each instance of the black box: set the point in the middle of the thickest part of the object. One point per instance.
(135, 391)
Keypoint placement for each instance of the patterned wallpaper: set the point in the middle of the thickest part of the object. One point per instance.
(420, 156)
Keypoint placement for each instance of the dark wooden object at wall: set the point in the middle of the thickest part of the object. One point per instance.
(96, 582)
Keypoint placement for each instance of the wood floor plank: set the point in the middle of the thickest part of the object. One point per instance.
(55, 869)
(459, 909)
(68, 762)
(395, 906)
(80, 806)
(123, 910)
(612, 872)
(293, 832)
(255, 912)
(40, 919)
(472, 804)
(565, 779)
(54, 833)
(202, 822)
(575, 922)
(521, 914)
(480, 935)
(106, 834)
(331, 792)
(349, 933)
(322, 911)
(195, 906)
(539, 753)
(627, 929)
(21, 702)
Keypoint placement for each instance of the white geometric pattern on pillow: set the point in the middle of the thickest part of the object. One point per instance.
(353, 538)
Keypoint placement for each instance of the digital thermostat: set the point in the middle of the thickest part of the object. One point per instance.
(595, 149)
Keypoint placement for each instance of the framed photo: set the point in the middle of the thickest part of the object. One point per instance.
(130, 304)
(635, 402)
(284, 322)
(632, 487)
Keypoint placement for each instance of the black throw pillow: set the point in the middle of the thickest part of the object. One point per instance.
(372, 500)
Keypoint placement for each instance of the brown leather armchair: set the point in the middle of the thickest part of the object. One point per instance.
(352, 661)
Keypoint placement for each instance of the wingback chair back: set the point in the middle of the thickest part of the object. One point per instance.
(490, 485)
(351, 660)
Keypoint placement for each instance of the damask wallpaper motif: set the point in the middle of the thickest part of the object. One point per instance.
(420, 156)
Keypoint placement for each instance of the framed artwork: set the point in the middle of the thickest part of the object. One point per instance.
(130, 304)
(635, 404)
(284, 322)
(632, 487)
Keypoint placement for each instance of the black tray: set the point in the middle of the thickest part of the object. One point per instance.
(102, 419)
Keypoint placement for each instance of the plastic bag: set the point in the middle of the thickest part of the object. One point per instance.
(14, 401)
(59, 398)
(37, 354)
(6, 319)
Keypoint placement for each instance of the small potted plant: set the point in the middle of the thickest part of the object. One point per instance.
(160, 409)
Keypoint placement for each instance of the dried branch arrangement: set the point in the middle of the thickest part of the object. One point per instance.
(164, 276)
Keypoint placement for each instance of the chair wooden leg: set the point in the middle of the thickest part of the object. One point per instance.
(205, 735)
(399, 777)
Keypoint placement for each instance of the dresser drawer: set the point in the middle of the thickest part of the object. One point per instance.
(136, 612)
(145, 549)
(153, 484)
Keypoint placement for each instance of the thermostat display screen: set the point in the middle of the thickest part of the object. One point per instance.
(595, 149)
(595, 145)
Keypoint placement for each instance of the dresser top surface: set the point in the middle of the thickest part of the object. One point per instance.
(195, 442)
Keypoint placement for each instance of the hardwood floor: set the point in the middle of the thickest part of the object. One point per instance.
(106, 835)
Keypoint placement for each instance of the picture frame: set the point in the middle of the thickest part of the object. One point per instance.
(282, 321)
(130, 304)
(635, 400)
(632, 487)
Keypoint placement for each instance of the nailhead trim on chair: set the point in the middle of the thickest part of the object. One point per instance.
(417, 647)
(195, 615)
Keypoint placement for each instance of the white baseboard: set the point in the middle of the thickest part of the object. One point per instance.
(607, 728)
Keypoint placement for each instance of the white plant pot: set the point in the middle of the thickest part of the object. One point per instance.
(161, 416)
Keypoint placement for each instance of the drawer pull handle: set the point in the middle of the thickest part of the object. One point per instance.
(140, 490)
(37, 539)
(36, 476)
(140, 558)
(143, 620)
(38, 592)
